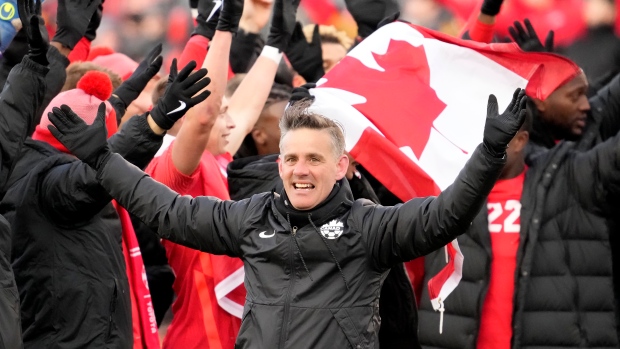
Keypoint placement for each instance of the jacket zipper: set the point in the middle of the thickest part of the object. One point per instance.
(287, 301)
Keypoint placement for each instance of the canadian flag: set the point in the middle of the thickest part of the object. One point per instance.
(413, 105)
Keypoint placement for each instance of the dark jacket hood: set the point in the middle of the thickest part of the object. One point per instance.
(252, 175)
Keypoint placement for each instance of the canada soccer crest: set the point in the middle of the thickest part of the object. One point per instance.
(332, 230)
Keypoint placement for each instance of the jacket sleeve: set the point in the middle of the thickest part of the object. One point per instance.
(606, 102)
(203, 223)
(73, 190)
(419, 226)
(21, 96)
(594, 177)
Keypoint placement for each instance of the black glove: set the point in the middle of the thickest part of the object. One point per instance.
(95, 21)
(367, 14)
(306, 58)
(178, 96)
(500, 129)
(206, 26)
(29, 16)
(282, 24)
(302, 92)
(193, 3)
(131, 88)
(528, 40)
(491, 7)
(87, 143)
(389, 19)
(230, 15)
(73, 18)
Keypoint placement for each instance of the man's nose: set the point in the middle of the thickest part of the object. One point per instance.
(301, 168)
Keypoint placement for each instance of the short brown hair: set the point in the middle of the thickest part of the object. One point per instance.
(298, 116)
(159, 90)
(329, 34)
(76, 70)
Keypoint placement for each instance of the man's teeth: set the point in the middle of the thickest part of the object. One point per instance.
(303, 186)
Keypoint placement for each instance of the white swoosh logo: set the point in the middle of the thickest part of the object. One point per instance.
(218, 4)
(265, 236)
(181, 107)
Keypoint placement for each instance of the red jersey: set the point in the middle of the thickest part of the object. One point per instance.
(209, 288)
(504, 207)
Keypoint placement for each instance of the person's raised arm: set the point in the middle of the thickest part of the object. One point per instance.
(23, 91)
(249, 99)
(203, 223)
(193, 136)
(73, 189)
(422, 225)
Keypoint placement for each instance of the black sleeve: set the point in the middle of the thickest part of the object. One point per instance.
(73, 190)
(119, 108)
(606, 103)
(419, 226)
(244, 50)
(203, 223)
(21, 96)
(594, 177)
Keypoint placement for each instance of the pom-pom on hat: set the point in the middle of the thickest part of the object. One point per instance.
(92, 89)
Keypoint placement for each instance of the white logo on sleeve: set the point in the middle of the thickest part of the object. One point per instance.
(266, 236)
(332, 230)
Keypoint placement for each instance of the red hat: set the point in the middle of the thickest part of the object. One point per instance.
(92, 89)
(117, 62)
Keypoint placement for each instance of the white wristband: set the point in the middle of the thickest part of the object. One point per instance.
(272, 53)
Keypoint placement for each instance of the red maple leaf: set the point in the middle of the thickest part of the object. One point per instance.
(400, 100)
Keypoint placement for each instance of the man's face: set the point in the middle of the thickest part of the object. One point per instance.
(332, 54)
(565, 109)
(308, 167)
(218, 138)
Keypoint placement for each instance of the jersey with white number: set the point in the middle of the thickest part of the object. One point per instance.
(504, 209)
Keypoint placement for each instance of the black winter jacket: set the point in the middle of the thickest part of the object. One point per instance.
(67, 254)
(21, 96)
(564, 296)
(316, 285)
(258, 174)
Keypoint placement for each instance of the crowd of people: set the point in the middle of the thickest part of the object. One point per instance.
(210, 207)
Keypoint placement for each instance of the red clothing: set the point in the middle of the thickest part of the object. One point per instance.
(201, 320)
(504, 226)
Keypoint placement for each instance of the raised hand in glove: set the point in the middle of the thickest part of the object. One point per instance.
(208, 18)
(500, 129)
(179, 95)
(87, 143)
(95, 21)
(230, 15)
(528, 40)
(491, 7)
(29, 16)
(131, 88)
(306, 58)
(282, 24)
(302, 92)
(72, 19)
(367, 14)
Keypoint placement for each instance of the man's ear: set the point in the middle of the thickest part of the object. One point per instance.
(520, 140)
(259, 136)
(540, 105)
(343, 165)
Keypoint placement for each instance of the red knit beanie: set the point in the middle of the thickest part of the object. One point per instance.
(92, 89)
(117, 62)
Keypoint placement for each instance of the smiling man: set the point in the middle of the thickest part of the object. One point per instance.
(314, 259)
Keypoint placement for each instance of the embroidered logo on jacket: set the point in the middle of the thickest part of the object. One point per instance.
(332, 230)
